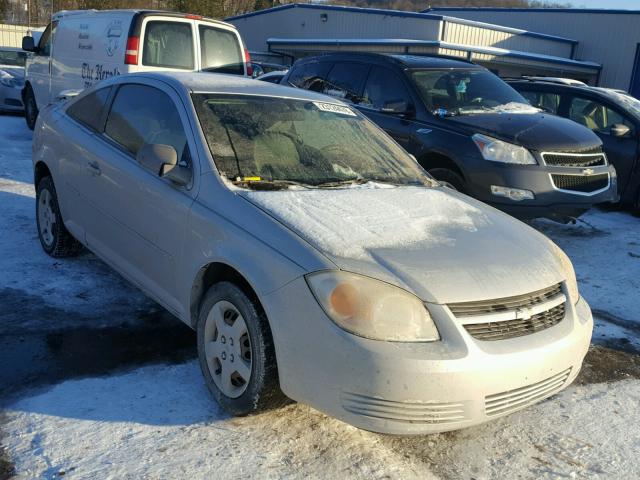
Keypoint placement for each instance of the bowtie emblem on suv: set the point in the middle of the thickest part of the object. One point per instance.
(588, 171)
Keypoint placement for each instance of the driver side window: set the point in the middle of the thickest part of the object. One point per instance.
(141, 114)
(383, 86)
(44, 45)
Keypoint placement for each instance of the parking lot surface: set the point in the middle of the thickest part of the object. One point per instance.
(98, 381)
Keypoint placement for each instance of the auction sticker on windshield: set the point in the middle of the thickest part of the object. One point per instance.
(331, 107)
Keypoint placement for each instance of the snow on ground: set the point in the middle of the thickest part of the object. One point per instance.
(159, 422)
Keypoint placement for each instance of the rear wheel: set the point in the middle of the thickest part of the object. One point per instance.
(30, 107)
(54, 236)
(236, 352)
(449, 178)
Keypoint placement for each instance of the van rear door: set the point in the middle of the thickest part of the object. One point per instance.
(221, 49)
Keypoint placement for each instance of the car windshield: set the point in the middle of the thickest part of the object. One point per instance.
(450, 92)
(13, 58)
(266, 142)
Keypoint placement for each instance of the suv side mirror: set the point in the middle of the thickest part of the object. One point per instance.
(396, 107)
(162, 160)
(620, 130)
(28, 44)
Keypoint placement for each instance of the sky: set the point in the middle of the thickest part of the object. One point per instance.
(628, 4)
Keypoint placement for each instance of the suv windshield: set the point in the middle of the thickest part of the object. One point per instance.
(631, 104)
(12, 58)
(467, 91)
(264, 142)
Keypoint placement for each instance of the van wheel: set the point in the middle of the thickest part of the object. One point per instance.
(236, 352)
(54, 236)
(448, 178)
(30, 108)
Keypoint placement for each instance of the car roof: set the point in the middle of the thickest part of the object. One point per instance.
(406, 61)
(202, 82)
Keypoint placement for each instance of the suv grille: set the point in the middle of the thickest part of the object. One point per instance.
(473, 309)
(581, 183)
(574, 160)
(516, 328)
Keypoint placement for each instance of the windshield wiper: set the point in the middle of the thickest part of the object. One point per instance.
(340, 183)
(268, 184)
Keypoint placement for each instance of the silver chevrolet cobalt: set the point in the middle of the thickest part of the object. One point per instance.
(314, 257)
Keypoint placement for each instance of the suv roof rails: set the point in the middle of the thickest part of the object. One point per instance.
(557, 80)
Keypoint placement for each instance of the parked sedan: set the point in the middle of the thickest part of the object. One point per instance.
(12, 62)
(612, 115)
(315, 258)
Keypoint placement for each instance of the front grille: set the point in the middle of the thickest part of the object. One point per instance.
(512, 400)
(574, 160)
(12, 102)
(407, 412)
(581, 183)
(506, 329)
(485, 307)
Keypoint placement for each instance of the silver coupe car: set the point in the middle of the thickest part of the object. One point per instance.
(314, 257)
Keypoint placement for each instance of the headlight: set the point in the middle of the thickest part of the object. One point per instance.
(569, 275)
(498, 151)
(7, 79)
(371, 308)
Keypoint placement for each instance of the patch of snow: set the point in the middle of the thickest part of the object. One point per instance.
(351, 221)
(158, 422)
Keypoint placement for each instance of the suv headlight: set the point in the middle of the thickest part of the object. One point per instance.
(371, 308)
(498, 151)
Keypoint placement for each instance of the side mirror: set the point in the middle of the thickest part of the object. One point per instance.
(162, 160)
(620, 130)
(396, 107)
(28, 44)
(65, 94)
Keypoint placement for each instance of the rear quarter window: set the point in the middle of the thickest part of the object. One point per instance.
(168, 44)
(88, 110)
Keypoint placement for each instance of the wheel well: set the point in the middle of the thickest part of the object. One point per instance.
(437, 160)
(41, 170)
(212, 274)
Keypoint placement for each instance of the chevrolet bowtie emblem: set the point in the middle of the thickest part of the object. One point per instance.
(523, 314)
(588, 171)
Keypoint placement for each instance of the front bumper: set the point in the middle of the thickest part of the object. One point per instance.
(403, 388)
(10, 99)
(550, 200)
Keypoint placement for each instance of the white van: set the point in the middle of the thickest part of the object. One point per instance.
(79, 48)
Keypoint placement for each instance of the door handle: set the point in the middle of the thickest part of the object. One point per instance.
(94, 168)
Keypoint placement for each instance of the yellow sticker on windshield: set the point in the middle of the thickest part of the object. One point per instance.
(333, 108)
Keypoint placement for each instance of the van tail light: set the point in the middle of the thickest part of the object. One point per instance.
(191, 16)
(131, 53)
(247, 61)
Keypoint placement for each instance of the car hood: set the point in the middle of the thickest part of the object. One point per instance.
(17, 72)
(535, 131)
(441, 245)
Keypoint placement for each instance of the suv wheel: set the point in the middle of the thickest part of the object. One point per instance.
(30, 107)
(54, 236)
(449, 178)
(236, 352)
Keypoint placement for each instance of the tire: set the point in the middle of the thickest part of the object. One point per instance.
(30, 108)
(229, 351)
(54, 237)
(449, 178)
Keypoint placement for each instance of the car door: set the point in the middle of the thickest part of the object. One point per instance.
(39, 72)
(140, 217)
(384, 90)
(600, 116)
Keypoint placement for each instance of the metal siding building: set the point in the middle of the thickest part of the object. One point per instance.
(608, 37)
(296, 30)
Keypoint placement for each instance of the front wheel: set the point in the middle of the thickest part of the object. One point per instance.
(30, 107)
(236, 352)
(448, 178)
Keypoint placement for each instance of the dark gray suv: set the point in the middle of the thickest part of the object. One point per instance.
(470, 130)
